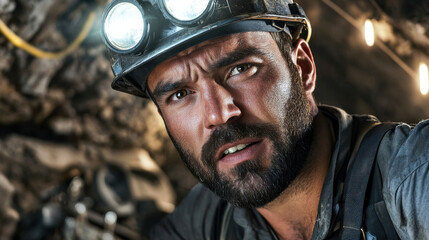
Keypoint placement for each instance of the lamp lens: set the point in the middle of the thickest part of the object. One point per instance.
(124, 26)
(186, 10)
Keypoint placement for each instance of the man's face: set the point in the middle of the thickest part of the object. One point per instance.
(238, 115)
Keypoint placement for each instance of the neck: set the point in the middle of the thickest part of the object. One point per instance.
(293, 214)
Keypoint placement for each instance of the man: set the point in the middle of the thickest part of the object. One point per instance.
(237, 101)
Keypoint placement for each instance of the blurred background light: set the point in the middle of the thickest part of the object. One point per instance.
(369, 33)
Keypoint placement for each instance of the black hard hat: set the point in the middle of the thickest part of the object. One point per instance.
(140, 34)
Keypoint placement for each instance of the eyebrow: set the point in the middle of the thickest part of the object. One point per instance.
(163, 88)
(232, 57)
(237, 55)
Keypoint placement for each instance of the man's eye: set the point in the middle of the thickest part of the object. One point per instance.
(180, 94)
(240, 68)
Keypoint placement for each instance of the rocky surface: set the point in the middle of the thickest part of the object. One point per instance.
(58, 118)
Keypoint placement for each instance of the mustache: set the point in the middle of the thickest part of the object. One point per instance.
(231, 133)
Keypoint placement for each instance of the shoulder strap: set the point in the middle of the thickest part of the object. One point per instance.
(357, 181)
(226, 220)
(377, 221)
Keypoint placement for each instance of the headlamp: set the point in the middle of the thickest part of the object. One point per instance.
(185, 12)
(143, 33)
(125, 26)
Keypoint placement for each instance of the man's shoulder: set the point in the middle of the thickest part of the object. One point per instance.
(196, 217)
(344, 120)
(402, 151)
(403, 159)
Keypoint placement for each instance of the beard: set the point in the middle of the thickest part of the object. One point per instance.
(252, 184)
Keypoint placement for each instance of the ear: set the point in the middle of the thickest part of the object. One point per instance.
(305, 63)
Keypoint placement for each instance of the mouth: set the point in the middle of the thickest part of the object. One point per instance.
(239, 151)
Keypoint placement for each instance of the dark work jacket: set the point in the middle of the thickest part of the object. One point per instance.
(403, 160)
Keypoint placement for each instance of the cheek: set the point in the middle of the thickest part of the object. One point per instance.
(272, 96)
(277, 96)
(184, 130)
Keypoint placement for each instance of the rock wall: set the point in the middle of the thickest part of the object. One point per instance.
(58, 118)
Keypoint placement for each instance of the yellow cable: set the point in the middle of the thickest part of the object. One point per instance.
(20, 43)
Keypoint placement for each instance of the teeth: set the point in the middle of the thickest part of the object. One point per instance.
(241, 146)
(231, 150)
(235, 149)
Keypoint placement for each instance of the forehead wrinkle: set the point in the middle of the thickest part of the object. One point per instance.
(244, 48)
(227, 52)
(237, 55)
(205, 44)
(201, 60)
(222, 45)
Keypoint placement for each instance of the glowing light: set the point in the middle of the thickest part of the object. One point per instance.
(369, 33)
(186, 10)
(424, 79)
(124, 26)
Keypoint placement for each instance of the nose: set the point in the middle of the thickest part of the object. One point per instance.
(219, 106)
